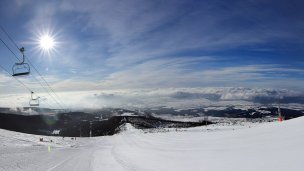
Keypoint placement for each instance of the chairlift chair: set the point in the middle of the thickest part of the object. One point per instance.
(21, 68)
(34, 102)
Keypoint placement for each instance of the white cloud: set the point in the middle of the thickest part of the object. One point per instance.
(169, 97)
(4, 78)
(164, 73)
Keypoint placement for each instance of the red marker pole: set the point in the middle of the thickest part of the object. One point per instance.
(279, 112)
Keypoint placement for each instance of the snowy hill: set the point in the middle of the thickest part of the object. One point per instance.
(267, 146)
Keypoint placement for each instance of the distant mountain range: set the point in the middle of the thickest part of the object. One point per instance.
(80, 124)
(229, 112)
(106, 121)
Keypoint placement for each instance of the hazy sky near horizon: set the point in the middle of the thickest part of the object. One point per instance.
(139, 44)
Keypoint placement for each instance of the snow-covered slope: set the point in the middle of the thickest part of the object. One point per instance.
(269, 146)
(274, 146)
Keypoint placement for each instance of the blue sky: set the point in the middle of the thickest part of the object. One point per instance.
(137, 44)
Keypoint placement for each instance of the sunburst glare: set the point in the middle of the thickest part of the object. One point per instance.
(46, 42)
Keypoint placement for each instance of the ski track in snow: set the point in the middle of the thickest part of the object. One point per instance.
(268, 146)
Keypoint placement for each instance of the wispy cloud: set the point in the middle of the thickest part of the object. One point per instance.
(133, 31)
(123, 33)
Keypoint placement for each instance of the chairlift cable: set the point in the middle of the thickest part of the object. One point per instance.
(26, 87)
(30, 63)
(10, 49)
(46, 101)
(45, 90)
(45, 81)
(9, 37)
(18, 79)
(48, 92)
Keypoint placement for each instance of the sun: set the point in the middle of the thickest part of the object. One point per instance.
(46, 42)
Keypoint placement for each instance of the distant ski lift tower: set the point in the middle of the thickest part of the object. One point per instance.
(90, 128)
(279, 110)
(206, 119)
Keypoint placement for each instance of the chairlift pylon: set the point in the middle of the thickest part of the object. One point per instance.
(21, 68)
(34, 102)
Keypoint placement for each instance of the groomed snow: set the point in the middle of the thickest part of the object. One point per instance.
(268, 146)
